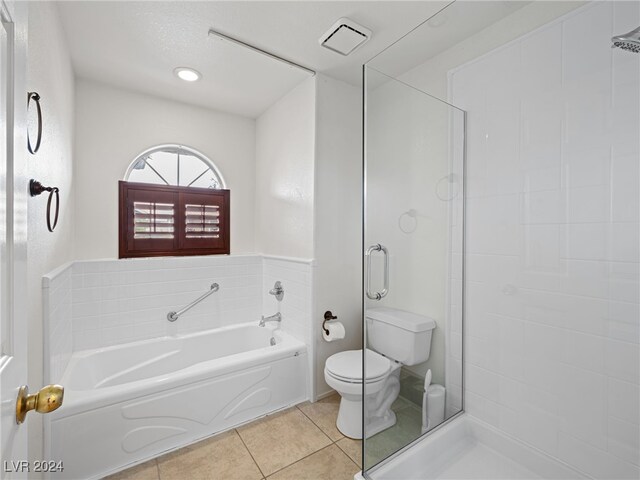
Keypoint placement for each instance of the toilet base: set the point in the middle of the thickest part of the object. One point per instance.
(378, 424)
(349, 420)
(381, 396)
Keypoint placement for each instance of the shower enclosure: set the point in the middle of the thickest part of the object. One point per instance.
(502, 201)
(414, 230)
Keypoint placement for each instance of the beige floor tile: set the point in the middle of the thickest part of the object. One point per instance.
(330, 463)
(353, 448)
(281, 439)
(144, 471)
(324, 414)
(223, 457)
(407, 428)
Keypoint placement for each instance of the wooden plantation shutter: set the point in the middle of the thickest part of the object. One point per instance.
(158, 220)
(204, 220)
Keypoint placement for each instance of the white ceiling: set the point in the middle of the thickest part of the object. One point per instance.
(458, 22)
(137, 44)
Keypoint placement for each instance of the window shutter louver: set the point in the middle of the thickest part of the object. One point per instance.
(206, 220)
(153, 220)
(202, 221)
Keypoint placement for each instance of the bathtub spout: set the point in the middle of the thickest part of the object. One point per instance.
(273, 318)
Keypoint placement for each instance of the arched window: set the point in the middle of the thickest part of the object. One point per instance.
(175, 165)
(173, 201)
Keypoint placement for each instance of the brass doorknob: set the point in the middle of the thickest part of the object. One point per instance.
(47, 400)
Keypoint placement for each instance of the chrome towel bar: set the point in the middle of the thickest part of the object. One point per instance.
(173, 316)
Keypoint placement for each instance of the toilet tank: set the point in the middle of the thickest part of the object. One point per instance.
(400, 335)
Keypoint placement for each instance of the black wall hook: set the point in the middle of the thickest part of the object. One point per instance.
(35, 189)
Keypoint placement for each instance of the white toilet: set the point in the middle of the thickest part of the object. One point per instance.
(399, 338)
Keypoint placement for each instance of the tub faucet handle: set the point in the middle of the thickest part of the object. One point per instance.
(277, 291)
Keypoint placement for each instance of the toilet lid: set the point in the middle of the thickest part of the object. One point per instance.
(348, 365)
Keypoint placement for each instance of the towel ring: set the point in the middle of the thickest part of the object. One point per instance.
(36, 98)
(35, 189)
(443, 187)
(412, 214)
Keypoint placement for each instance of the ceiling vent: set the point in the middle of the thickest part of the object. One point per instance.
(345, 36)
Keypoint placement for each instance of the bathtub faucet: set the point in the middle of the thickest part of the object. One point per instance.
(273, 318)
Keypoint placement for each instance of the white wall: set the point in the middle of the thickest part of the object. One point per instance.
(50, 74)
(553, 285)
(309, 200)
(113, 126)
(284, 174)
(337, 217)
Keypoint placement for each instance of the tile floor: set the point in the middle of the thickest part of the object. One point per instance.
(408, 427)
(299, 443)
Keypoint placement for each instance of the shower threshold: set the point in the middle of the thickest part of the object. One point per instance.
(467, 448)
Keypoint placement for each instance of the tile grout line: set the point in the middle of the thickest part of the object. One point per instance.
(249, 451)
(319, 427)
(343, 451)
(334, 442)
(307, 456)
(157, 468)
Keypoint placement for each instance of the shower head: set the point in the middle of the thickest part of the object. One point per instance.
(629, 41)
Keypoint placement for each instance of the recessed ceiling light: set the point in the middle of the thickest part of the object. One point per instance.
(187, 74)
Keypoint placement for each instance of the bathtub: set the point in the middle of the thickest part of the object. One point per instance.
(129, 403)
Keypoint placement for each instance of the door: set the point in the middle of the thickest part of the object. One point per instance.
(13, 235)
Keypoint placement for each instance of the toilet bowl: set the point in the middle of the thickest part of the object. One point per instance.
(405, 335)
(343, 373)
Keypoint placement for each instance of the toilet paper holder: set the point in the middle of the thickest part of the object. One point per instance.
(328, 316)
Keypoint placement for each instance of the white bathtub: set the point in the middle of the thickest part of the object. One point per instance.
(129, 403)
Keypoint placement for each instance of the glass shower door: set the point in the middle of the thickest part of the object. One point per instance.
(414, 162)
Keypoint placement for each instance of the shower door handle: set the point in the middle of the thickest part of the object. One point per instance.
(377, 295)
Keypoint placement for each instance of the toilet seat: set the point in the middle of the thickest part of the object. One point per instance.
(347, 366)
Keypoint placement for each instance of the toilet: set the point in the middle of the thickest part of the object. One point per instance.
(395, 338)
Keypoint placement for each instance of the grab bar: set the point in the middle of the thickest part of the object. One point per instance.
(378, 248)
(173, 316)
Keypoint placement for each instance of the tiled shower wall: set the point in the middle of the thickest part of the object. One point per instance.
(297, 305)
(92, 304)
(552, 302)
(58, 323)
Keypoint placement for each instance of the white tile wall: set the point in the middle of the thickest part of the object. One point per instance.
(454, 330)
(297, 305)
(57, 318)
(119, 301)
(91, 304)
(296, 278)
(553, 210)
